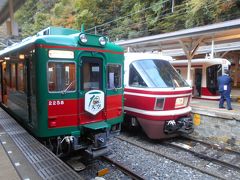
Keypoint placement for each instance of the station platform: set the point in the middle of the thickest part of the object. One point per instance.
(23, 157)
(215, 125)
(210, 107)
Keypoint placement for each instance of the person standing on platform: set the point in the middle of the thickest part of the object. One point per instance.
(224, 88)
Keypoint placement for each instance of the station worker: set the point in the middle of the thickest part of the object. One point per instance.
(224, 88)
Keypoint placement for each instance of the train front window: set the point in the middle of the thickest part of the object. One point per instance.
(61, 76)
(155, 74)
(91, 73)
(114, 79)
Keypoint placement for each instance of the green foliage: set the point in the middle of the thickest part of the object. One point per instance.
(202, 12)
(123, 19)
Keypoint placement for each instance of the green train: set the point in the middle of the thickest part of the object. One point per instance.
(66, 87)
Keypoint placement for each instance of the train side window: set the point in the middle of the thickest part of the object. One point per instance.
(114, 77)
(13, 76)
(61, 76)
(20, 77)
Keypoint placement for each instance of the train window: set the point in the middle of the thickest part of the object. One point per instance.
(91, 73)
(156, 74)
(13, 76)
(61, 76)
(135, 79)
(114, 79)
(20, 77)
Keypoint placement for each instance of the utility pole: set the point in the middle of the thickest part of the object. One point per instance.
(173, 3)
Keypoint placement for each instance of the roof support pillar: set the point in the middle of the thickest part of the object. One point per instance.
(10, 9)
(235, 75)
(12, 27)
(190, 49)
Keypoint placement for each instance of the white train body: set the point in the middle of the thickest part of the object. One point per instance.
(204, 74)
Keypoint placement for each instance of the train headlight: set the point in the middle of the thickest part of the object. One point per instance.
(83, 38)
(159, 104)
(102, 41)
(181, 102)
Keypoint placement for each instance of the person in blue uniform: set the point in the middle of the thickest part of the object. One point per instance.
(224, 88)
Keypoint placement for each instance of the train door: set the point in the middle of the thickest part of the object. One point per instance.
(212, 74)
(198, 82)
(1, 82)
(29, 90)
(91, 90)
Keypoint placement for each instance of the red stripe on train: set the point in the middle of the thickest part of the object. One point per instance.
(148, 103)
(70, 112)
(205, 91)
(169, 92)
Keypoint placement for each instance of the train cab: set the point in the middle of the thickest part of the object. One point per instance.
(156, 96)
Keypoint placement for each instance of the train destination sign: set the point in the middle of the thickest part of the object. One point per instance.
(61, 54)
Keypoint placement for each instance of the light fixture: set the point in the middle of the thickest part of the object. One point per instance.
(83, 38)
(181, 102)
(102, 41)
(159, 104)
(21, 56)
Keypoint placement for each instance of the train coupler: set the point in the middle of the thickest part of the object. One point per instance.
(93, 153)
(183, 125)
(98, 146)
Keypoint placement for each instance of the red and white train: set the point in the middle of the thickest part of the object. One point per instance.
(156, 97)
(204, 74)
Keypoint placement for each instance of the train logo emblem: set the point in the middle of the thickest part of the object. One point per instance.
(94, 101)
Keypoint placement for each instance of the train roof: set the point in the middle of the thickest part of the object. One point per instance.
(129, 57)
(61, 37)
(202, 61)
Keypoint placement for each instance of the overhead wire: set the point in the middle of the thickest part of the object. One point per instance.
(160, 18)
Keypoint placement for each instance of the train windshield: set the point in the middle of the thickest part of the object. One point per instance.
(154, 74)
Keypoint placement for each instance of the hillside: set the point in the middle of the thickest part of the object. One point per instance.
(124, 19)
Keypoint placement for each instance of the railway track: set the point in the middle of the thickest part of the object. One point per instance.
(209, 161)
(103, 166)
(124, 169)
(209, 152)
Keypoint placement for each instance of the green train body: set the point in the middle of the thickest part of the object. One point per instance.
(66, 87)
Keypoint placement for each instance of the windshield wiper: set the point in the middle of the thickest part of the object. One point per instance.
(66, 89)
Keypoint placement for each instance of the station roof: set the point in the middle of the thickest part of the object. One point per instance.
(4, 8)
(227, 32)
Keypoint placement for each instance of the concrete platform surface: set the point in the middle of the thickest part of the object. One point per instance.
(210, 107)
(7, 170)
(23, 157)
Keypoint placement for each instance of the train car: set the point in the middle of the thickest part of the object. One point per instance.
(156, 97)
(204, 73)
(66, 88)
